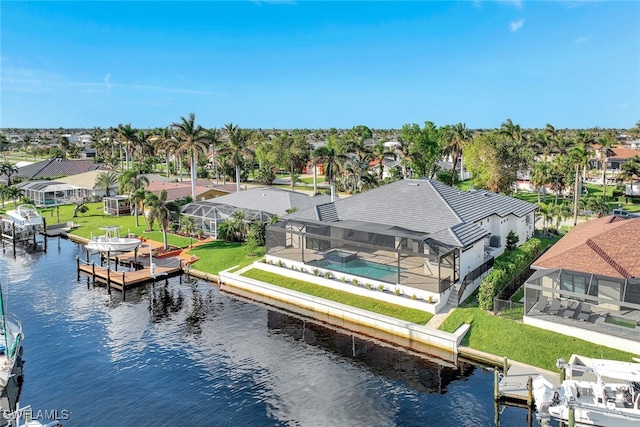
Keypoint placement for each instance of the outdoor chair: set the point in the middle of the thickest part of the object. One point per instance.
(585, 312)
(555, 306)
(572, 308)
(541, 304)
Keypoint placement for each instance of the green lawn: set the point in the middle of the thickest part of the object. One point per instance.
(524, 343)
(218, 255)
(369, 304)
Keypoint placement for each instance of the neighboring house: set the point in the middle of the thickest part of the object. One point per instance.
(421, 236)
(52, 193)
(635, 144)
(55, 168)
(632, 189)
(258, 204)
(87, 180)
(616, 157)
(588, 284)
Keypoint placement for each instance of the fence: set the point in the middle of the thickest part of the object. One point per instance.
(507, 308)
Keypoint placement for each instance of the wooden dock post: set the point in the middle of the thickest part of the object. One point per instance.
(505, 366)
(124, 288)
(529, 392)
(563, 374)
(116, 262)
(93, 272)
(86, 253)
(496, 384)
(572, 416)
(78, 267)
(109, 279)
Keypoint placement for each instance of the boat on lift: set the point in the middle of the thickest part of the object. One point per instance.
(599, 392)
(25, 217)
(112, 242)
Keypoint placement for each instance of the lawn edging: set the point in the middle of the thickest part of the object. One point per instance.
(232, 283)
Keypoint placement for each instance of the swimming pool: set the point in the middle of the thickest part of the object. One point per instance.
(360, 267)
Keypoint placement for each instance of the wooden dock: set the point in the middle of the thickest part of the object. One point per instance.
(124, 280)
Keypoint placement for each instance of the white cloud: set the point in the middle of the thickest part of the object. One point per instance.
(516, 25)
(581, 40)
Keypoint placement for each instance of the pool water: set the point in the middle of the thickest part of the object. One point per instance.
(360, 267)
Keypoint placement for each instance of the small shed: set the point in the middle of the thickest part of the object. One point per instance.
(116, 205)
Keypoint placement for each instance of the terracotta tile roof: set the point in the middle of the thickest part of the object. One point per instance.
(175, 190)
(620, 152)
(609, 246)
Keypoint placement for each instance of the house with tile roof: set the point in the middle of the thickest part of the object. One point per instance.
(417, 237)
(588, 284)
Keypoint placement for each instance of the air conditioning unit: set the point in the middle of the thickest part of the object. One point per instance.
(495, 242)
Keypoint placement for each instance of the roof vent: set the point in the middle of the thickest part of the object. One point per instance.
(415, 184)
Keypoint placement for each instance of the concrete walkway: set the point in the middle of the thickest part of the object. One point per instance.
(439, 318)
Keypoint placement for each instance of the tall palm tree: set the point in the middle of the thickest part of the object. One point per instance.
(333, 163)
(126, 136)
(215, 140)
(540, 176)
(8, 170)
(163, 211)
(579, 156)
(130, 182)
(194, 141)
(14, 193)
(379, 153)
(605, 143)
(237, 147)
(513, 132)
(108, 181)
(458, 136)
(163, 142)
(4, 192)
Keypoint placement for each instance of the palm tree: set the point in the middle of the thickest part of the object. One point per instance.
(188, 226)
(332, 164)
(162, 211)
(8, 170)
(131, 181)
(458, 136)
(540, 176)
(4, 192)
(14, 193)
(606, 143)
(579, 157)
(546, 209)
(215, 139)
(126, 136)
(163, 143)
(513, 132)
(379, 152)
(108, 181)
(237, 147)
(194, 140)
(631, 167)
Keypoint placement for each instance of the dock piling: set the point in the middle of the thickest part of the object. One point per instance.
(78, 267)
(529, 392)
(505, 366)
(496, 384)
(108, 279)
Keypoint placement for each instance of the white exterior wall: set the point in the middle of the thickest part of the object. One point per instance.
(471, 258)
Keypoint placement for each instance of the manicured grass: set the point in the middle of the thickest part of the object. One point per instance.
(524, 343)
(308, 180)
(369, 304)
(218, 255)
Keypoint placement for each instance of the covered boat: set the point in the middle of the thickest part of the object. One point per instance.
(112, 242)
(26, 217)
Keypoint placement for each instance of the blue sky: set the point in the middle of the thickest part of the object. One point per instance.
(281, 64)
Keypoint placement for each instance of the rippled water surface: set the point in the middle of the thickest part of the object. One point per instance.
(187, 354)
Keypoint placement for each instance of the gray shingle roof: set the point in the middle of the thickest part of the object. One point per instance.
(427, 207)
(271, 200)
(56, 168)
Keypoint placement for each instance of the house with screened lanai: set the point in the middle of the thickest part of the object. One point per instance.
(420, 238)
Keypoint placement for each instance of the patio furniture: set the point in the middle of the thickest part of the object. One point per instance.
(585, 312)
(572, 308)
(555, 306)
(541, 304)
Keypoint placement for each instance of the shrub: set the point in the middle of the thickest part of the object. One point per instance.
(316, 271)
(344, 279)
(430, 300)
(506, 267)
(414, 297)
(381, 288)
(280, 263)
(368, 286)
(397, 291)
(512, 240)
(355, 282)
(327, 274)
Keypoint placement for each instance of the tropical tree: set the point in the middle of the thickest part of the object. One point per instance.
(194, 139)
(14, 193)
(379, 152)
(605, 143)
(126, 136)
(579, 156)
(546, 210)
(108, 181)
(8, 170)
(163, 211)
(540, 176)
(188, 226)
(332, 162)
(238, 148)
(235, 228)
(457, 137)
(163, 142)
(130, 182)
(4, 192)
(631, 168)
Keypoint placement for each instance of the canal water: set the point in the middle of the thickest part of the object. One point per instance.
(186, 354)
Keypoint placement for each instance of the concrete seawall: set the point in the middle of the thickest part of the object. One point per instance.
(407, 334)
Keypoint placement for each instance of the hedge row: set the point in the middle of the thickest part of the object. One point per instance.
(506, 267)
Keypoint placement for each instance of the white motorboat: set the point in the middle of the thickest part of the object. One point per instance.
(112, 242)
(26, 217)
(599, 392)
(11, 344)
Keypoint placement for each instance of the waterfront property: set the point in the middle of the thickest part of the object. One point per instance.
(53, 193)
(588, 284)
(419, 238)
(258, 204)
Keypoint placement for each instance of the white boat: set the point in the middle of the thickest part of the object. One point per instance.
(599, 392)
(10, 346)
(112, 242)
(26, 217)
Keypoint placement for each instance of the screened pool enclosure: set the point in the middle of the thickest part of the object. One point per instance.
(374, 251)
(209, 214)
